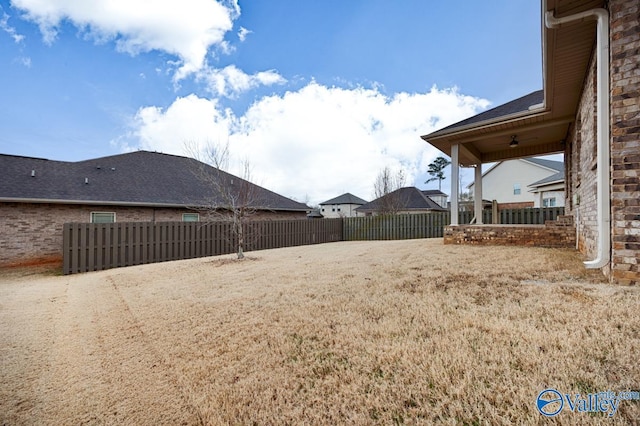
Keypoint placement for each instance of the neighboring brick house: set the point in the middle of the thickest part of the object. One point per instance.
(408, 200)
(589, 109)
(344, 205)
(38, 196)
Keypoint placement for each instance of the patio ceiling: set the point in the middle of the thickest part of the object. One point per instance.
(540, 128)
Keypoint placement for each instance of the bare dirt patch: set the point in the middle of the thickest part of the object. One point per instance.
(344, 333)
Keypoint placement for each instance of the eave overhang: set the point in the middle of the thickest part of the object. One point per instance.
(539, 129)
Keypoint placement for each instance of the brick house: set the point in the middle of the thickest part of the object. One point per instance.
(407, 200)
(590, 111)
(38, 196)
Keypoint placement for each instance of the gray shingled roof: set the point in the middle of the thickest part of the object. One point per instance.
(346, 198)
(518, 105)
(557, 177)
(433, 192)
(409, 198)
(136, 178)
(558, 166)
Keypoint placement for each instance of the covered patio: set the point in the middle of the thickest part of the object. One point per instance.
(538, 123)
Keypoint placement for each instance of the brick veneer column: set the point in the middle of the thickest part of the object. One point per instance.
(625, 140)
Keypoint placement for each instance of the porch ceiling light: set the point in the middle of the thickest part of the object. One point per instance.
(514, 142)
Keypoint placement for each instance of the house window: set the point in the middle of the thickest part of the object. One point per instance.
(103, 217)
(338, 208)
(549, 202)
(516, 189)
(323, 209)
(191, 217)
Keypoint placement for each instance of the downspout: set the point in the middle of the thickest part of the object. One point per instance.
(602, 120)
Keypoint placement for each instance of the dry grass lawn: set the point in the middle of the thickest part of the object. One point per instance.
(389, 332)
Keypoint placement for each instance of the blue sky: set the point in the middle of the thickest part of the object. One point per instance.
(319, 96)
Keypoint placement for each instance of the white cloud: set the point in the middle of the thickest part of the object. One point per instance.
(243, 33)
(186, 120)
(24, 60)
(231, 81)
(318, 141)
(4, 25)
(186, 29)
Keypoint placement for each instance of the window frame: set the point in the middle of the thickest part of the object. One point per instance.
(517, 189)
(196, 215)
(93, 215)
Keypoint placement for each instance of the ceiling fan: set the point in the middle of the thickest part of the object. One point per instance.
(515, 142)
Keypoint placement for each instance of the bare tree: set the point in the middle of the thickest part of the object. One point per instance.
(232, 199)
(385, 191)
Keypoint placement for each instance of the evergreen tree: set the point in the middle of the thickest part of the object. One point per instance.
(436, 169)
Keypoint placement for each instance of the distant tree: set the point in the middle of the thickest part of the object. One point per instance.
(436, 169)
(466, 196)
(466, 201)
(384, 191)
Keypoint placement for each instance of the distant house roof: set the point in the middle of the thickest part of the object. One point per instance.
(558, 166)
(139, 178)
(346, 198)
(315, 214)
(554, 178)
(407, 199)
(434, 193)
(551, 165)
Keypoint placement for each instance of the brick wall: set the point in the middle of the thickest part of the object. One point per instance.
(581, 162)
(506, 206)
(625, 140)
(559, 233)
(32, 233)
(580, 154)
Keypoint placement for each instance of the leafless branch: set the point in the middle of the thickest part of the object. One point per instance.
(385, 188)
(232, 199)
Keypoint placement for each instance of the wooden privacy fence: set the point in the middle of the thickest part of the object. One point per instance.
(431, 225)
(395, 227)
(97, 246)
(528, 216)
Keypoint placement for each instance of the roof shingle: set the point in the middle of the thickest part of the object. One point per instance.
(136, 178)
(521, 104)
(346, 198)
(408, 198)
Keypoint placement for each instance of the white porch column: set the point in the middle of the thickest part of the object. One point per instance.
(477, 194)
(455, 178)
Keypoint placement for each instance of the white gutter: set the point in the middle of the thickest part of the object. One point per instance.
(602, 120)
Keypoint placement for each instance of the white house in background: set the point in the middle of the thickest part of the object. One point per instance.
(525, 182)
(436, 195)
(549, 192)
(344, 205)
